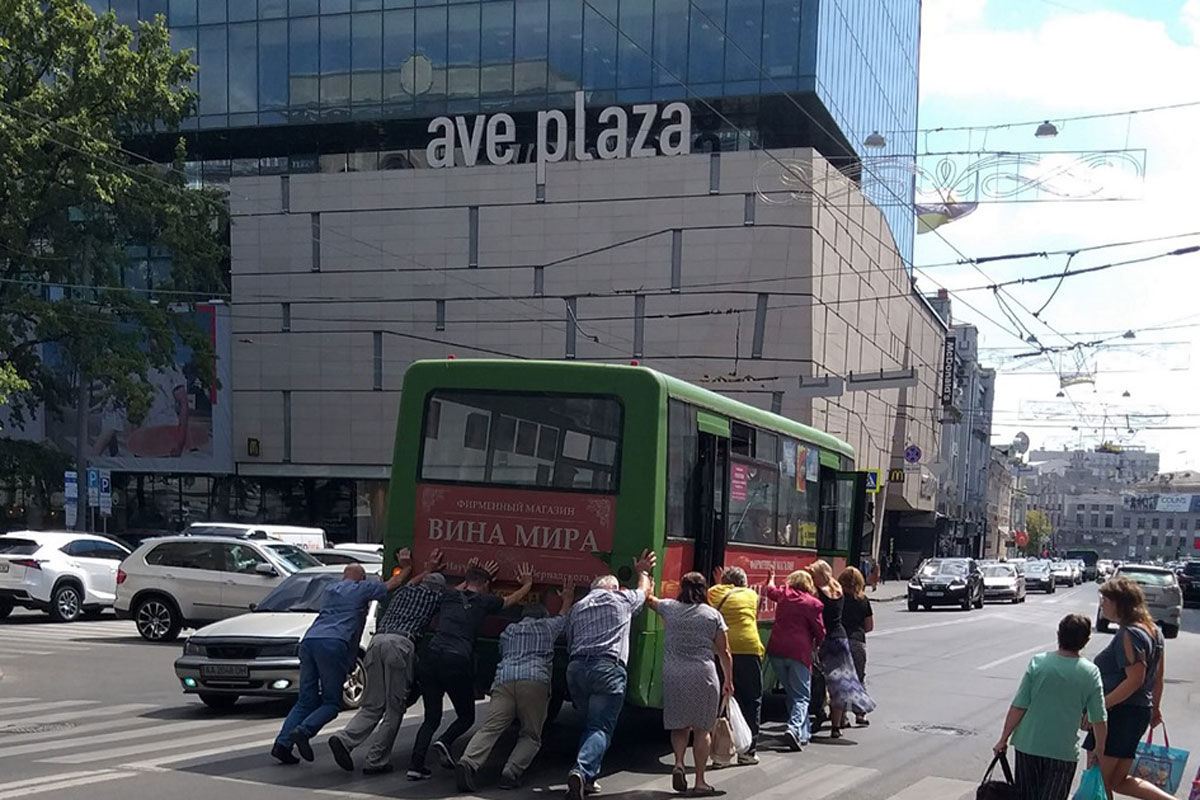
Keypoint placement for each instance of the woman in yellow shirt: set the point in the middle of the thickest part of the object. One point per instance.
(738, 604)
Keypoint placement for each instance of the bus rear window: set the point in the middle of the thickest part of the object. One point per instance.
(530, 439)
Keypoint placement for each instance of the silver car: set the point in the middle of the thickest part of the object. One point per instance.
(1164, 598)
(1003, 582)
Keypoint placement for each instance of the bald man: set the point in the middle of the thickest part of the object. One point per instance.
(326, 655)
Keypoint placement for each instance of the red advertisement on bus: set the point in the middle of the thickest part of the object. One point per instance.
(562, 534)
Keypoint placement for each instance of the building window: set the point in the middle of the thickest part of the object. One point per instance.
(1108, 520)
(1170, 523)
(1183, 525)
(1108, 507)
(1141, 523)
(1095, 520)
(1125, 522)
(1154, 523)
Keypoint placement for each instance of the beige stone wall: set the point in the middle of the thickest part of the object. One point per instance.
(394, 243)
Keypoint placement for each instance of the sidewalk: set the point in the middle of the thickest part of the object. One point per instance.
(888, 592)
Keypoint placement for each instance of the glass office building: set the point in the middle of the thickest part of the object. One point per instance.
(335, 85)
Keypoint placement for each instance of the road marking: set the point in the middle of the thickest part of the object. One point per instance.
(70, 716)
(173, 744)
(8, 701)
(947, 623)
(27, 638)
(22, 710)
(107, 725)
(51, 779)
(116, 736)
(937, 789)
(83, 780)
(1041, 648)
(156, 764)
(12, 651)
(824, 781)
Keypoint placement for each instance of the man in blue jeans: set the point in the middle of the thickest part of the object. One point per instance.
(598, 642)
(326, 653)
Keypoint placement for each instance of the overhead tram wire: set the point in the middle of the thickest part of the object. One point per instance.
(1063, 252)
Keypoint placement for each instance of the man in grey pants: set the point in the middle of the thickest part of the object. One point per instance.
(389, 664)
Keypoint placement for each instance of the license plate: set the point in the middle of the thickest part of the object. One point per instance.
(224, 671)
(935, 594)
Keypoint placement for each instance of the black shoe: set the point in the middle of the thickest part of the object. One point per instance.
(382, 769)
(341, 754)
(443, 754)
(303, 745)
(464, 777)
(792, 741)
(509, 781)
(419, 774)
(283, 755)
(575, 783)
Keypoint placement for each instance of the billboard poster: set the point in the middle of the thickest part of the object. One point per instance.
(739, 483)
(189, 425)
(566, 536)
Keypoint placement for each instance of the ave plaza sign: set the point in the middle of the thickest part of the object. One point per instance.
(622, 135)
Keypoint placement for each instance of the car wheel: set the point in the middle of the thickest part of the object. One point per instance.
(912, 605)
(1101, 624)
(66, 603)
(6, 607)
(157, 620)
(218, 702)
(1170, 631)
(355, 686)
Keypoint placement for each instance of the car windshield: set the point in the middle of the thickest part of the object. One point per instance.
(304, 591)
(1150, 578)
(293, 557)
(1191, 569)
(998, 571)
(1037, 569)
(12, 546)
(1061, 566)
(956, 568)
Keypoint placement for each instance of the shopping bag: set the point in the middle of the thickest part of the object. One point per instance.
(998, 790)
(1162, 764)
(724, 752)
(1091, 786)
(1195, 794)
(742, 738)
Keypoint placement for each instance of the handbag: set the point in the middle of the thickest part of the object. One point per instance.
(1091, 786)
(724, 752)
(1160, 764)
(998, 790)
(1195, 793)
(739, 728)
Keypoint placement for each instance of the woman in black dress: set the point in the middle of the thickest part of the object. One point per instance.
(845, 689)
(858, 620)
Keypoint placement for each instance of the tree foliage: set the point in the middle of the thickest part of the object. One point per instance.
(74, 87)
(1038, 526)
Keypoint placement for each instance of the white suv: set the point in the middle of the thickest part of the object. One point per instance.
(190, 581)
(67, 574)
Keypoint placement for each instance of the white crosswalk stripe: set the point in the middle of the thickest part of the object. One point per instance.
(39, 640)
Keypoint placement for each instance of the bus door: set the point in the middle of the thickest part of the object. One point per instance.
(712, 476)
(843, 509)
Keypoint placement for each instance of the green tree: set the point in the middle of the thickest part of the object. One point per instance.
(1038, 526)
(75, 90)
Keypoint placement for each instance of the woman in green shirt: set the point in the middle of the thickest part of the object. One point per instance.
(1043, 722)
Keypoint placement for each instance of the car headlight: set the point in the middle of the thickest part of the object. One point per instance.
(286, 650)
(914, 584)
(193, 648)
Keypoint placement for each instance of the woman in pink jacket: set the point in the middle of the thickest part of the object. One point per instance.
(797, 632)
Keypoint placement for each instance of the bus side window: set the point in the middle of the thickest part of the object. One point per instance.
(683, 456)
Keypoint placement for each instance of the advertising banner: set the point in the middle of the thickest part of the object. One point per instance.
(1162, 503)
(189, 425)
(566, 536)
(948, 371)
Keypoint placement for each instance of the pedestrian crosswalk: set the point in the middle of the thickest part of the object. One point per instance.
(84, 742)
(32, 640)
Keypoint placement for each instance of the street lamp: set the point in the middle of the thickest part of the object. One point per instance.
(1046, 130)
(875, 141)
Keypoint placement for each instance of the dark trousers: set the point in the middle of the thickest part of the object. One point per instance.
(440, 675)
(748, 691)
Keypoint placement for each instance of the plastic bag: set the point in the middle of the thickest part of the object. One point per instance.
(742, 739)
(1091, 786)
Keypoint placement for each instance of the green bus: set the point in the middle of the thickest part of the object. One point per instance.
(577, 467)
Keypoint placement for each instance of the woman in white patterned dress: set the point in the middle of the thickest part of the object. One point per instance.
(693, 632)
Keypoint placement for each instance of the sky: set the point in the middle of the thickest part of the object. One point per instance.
(988, 62)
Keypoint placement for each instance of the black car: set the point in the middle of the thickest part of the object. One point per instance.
(1189, 582)
(1038, 575)
(946, 582)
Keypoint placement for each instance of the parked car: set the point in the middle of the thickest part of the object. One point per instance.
(331, 556)
(361, 547)
(189, 581)
(1038, 575)
(68, 575)
(1163, 596)
(257, 654)
(1104, 568)
(1064, 573)
(1003, 582)
(946, 581)
(1189, 582)
(306, 538)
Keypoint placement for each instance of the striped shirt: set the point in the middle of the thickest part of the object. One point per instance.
(527, 650)
(410, 610)
(599, 623)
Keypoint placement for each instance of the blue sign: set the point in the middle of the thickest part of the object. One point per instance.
(912, 454)
(874, 484)
(93, 487)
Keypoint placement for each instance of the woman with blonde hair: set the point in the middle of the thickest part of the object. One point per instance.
(858, 620)
(1131, 670)
(798, 630)
(837, 665)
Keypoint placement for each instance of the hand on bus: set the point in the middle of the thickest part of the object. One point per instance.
(524, 574)
(770, 576)
(567, 593)
(646, 562)
(403, 555)
(435, 560)
(717, 573)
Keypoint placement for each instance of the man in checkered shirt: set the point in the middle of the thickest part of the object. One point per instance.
(389, 665)
(598, 640)
(520, 691)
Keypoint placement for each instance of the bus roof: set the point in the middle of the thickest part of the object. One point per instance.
(590, 374)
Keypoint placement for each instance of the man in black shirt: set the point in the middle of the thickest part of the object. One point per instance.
(448, 666)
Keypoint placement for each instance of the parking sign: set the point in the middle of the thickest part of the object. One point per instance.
(93, 479)
(105, 493)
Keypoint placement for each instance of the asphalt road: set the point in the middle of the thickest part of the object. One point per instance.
(89, 709)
